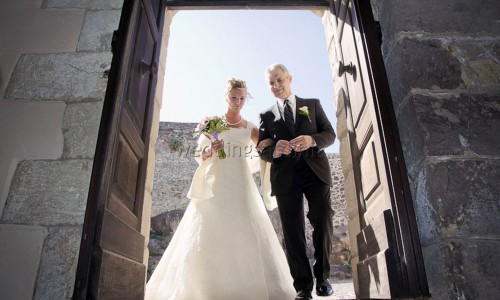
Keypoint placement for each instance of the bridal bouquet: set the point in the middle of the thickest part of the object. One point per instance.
(211, 127)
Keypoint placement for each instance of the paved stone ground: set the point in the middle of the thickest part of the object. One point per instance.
(342, 289)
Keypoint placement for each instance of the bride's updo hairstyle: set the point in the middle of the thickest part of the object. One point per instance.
(235, 83)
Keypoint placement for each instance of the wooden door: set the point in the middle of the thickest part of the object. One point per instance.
(387, 260)
(112, 249)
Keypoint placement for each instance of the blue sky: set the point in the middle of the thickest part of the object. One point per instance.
(206, 47)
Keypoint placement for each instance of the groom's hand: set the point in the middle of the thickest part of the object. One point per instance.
(302, 143)
(283, 147)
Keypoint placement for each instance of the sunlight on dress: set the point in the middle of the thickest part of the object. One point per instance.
(225, 246)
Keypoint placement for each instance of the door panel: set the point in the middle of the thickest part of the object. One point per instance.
(377, 268)
(117, 206)
(125, 175)
(140, 72)
(365, 124)
(354, 81)
(112, 229)
(120, 238)
(118, 278)
(385, 243)
(371, 180)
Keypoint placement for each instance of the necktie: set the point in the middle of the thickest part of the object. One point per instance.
(289, 117)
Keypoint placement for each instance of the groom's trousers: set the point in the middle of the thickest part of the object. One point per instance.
(291, 209)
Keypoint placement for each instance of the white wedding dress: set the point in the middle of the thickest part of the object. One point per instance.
(225, 246)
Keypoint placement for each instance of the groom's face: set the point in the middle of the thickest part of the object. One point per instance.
(279, 83)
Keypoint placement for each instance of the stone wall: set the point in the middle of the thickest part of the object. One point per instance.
(443, 65)
(174, 169)
(55, 54)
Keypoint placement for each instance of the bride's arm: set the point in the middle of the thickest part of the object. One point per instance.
(255, 135)
(203, 150)
(264, 143)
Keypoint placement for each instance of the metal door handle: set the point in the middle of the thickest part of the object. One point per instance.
(350, 68)
(153, 67)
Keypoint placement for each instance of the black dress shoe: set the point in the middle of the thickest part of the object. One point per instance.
(303, 295)
(323, 288)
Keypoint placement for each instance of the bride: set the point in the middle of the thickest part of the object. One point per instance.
(225, 246)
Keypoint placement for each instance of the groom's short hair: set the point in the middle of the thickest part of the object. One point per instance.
(274, 67)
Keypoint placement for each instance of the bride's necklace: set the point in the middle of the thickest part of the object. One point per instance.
(232, 124)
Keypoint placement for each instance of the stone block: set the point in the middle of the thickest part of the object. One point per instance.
(495, 50)
(463, 269)
(445, 16)
(483, 123)
(60, 77)
(65, 3)
(90, 4)
(59, 261)
(412, 137)
(442, 122)
(169, 16)
(480, 60)
(28, 130)
(425, 213)
(486, 71)
(105, 4)
(150, 169)
(451, 125)
(459, 198)
(48, 192)
(97, 31)
(80, 129)
(31, 129)
(146, 218)
(422, 64)
(21, 251)
(25, 28)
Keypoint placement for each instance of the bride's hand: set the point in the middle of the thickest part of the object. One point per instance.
(264, 144)
(216, 145)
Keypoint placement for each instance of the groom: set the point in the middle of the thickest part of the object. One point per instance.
(300, 131)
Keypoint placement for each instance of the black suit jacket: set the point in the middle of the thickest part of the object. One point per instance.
(273, 126)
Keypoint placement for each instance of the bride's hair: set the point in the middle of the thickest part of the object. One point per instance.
(235, 83)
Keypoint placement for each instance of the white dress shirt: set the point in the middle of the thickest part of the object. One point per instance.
(293, 106)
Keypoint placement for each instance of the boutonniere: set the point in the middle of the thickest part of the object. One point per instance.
(304, 110)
